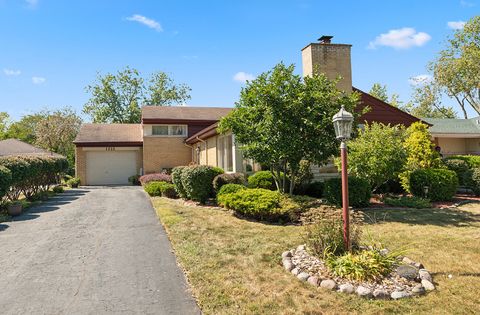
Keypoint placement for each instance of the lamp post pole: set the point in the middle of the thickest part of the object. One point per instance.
(345, 214)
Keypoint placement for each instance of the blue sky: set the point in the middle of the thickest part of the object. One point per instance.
(51, 50)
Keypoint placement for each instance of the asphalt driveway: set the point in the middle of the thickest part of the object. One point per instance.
(91, 251)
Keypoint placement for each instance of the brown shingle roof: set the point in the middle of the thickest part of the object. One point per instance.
(183, 113)
(17, 147)
(105, 133)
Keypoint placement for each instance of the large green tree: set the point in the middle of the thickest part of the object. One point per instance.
(25, 128)
(381, 92)
(427, 102)
(281, 119)
(117, 98)
(4, 124)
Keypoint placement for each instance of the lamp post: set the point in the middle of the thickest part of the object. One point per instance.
(342, 121)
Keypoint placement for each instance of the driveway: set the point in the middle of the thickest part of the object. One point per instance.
(98, 250)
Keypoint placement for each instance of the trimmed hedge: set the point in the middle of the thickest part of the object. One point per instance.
(359, 191)
(231, 178)
(460, 167)
(315, 189)
(5, 181)
(197, 181)
(473, 161)
(472, 180)
(160, 188)
(155, 177)
(262, 179)
(255, 203)
(177, 181)
(442, 184)
(228, 189)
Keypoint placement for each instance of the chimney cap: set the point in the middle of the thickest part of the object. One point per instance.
(325, 39)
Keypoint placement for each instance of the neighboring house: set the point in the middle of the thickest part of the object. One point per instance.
(180, 135)
(456, 136)
(17, 147)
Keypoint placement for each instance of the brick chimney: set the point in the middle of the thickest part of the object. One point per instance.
(331, 59)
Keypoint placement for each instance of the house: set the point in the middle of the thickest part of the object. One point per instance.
(171, 136)
(17, 147)
(456, 136)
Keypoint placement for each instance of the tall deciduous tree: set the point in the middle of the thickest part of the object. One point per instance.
(4, 124)
(381, 92)
(427, 102)
(117, 98)
(25, 128)
(281, 119)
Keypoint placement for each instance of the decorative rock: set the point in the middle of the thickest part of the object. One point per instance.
(424, 275)
(295, 271)
(418, 290)
(428, 285)
(364, 292)
(303, 276)
(408, 261)
(399, 295)
(288, 265)
(346, 288)
(313, 281)
(328, 284)
(407, 271)
(286, 254)
(384, 252)
(381, 294)
(300, 247)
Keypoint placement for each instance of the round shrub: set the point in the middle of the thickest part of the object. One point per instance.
(168, 190)
(228, 189)
(442, 184)
(155, 177)
(314, 189)
(164, 189)
(358, 191)
(255, 203)
(262, 179)
(472, 180)
(134, 180)
(197, 181)
(58, 189)
(231, 178)
(73, 182)
(177, 181)
(460, 167)
(5, 181)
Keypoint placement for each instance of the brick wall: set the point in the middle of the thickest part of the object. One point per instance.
(80, 164)
(164, 152)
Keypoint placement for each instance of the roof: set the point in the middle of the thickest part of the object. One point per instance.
(203, 134)
(186, 113)
(454, 126)
(18, 147)
(118, 134)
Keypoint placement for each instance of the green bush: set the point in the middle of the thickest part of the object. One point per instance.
(255, 203)
(231, 178)
(460, 167)
(134, 180)
(262, 179)
(442, 184)
(163, 189)
(5, 181)
(197, 181)
(227, 189)
(58, 189)
(73, 182)
(408, 202)
(315, 189)
(472, 180)
(359, 191)
(473, 161)
(177, 181)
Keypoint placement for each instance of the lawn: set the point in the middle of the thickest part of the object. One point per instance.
(234, 265)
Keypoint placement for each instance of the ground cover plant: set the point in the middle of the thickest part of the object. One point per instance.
(408, 202)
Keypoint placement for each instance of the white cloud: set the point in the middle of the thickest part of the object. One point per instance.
(402, 38)
(243, 77)
(32, 3)
(38, 80)
(420, 79)
(466, 4)
(146, 21)
(456, 25)
(11, 72)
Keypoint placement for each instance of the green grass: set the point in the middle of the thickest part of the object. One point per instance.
(234, 266)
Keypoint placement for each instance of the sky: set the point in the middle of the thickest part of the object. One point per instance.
(51, 50)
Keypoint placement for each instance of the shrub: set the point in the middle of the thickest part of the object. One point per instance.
(168, 190)
(155, 177)
(408, 202)
(255, 203)
(361, 266)
(5, 181)
(177, 181)
(391, 186)
(163, 189)
(197, 181)
(228, 189)
(134, 180)
(315, 189)
(232, 178)
(473, 161)
(58, 189)
(262, 179)
(460, 167)
(358, 191)
(442, 184)
(472, 180)
(73, 182)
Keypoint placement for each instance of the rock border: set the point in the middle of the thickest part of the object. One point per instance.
(409, 279)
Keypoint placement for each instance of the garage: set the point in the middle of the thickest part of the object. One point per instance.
(110, 167)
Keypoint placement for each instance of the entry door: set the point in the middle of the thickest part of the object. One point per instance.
(110, 167)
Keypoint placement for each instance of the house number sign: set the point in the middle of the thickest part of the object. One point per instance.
(110, 149)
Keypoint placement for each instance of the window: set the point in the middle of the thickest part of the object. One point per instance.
(169, 130)
(225, 153)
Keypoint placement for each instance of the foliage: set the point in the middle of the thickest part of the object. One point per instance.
(58, 189)
(457, 68)
(5, 181)
(380, 91)
(359, 191)
(426, 102)
(73, 182)
(304, 177)
(472, 160)
(256, 203)
(459, 166)
(282, 119)
(377, 154)
(117, 98)
(197, 181)
(25, 128)
(177, 181)
(134, 180)
(315, 189)
(391, 186)
(408, 202)
(472, 180)
(262, 179)
(230, 178)
(4, 124)
(160, 188)
(442, 184)
(362, 265)
(228, 189)
(157, 177)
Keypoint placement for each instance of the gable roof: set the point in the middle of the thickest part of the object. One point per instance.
(156, 114)
(18, 147)
(454, 126)
(104, 134)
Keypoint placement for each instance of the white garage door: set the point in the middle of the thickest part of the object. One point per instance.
(110, 167)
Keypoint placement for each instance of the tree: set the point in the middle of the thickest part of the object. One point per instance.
(117, 98)
(457, 68)
(4, 124)
(25, 128)
(281, 119)
(377, 154)
(427, 102)
(380, 91)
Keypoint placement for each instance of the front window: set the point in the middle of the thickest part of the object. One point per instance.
(170, 130)
(225, 153)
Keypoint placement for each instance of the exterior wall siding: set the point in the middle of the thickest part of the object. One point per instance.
(164, 152)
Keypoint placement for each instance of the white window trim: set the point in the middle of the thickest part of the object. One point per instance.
(170, 136)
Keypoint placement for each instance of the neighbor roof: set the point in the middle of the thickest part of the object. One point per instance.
(18, 147)
(109, 133)
(454, 126)
(188, 113)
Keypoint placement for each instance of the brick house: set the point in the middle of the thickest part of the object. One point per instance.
(173, 136)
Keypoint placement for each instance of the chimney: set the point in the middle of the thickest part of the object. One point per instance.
(331, 59)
